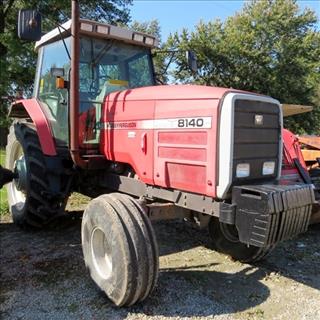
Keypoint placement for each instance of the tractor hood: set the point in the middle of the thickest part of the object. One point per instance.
(171, 92)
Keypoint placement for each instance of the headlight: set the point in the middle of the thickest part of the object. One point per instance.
(243, 170)
(268, 168)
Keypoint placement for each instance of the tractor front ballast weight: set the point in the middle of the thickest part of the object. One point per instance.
(268, 214)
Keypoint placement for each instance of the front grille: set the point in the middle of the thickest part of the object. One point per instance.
(256, 143)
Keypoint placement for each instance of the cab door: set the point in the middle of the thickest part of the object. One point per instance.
(54, 101)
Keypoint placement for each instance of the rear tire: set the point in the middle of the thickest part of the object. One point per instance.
(225, 240)
(120, 248)
(29, 204)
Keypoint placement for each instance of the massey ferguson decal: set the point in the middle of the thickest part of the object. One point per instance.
(176, 123)
(121, 125)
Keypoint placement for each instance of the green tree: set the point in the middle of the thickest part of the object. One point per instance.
(18, 59)
(149, 27)
(270, 47)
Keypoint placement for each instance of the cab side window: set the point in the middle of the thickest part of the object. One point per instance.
(55, 100)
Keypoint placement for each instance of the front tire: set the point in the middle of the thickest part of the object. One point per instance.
(120, 248)
(28, 198)
(225, 240)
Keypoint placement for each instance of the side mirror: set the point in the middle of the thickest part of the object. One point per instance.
(192, 60)
(29, 25)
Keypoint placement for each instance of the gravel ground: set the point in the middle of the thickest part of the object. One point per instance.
(43, 277)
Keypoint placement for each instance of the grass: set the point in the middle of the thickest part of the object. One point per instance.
(4, 209)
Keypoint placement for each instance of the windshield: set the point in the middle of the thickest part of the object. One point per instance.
(107, 66)
(110, 65)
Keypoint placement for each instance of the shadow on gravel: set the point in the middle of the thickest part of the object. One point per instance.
(47, 267)
(298, 259)
(212, 292)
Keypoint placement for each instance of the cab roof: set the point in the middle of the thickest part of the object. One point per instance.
(99, 30)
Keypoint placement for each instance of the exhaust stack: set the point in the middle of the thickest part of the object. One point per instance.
(74, 88)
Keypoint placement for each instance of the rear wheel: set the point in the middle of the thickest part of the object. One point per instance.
(120, 248)
(28, 198)
(225, 239)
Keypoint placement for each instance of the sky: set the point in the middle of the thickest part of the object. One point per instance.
(176, 15)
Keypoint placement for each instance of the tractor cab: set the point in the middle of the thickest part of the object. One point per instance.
(110, 59)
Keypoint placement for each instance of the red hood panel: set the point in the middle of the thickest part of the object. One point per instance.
(171, 92)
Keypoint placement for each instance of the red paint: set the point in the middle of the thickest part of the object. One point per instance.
(182, 158)
(183, 153)
(33, 107)
(87, 124)
(171, 92)
(119, 145)
(200, 166)
(178, 176)
(291, 151)
(190, 137)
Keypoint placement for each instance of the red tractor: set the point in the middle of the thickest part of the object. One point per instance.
(98, 124)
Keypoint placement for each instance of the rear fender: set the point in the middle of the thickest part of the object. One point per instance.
(31, 109)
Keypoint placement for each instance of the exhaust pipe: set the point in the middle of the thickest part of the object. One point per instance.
(6, 176)
(74, 88)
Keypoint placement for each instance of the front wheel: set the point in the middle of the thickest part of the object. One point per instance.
(120, 248)
(225, 239)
